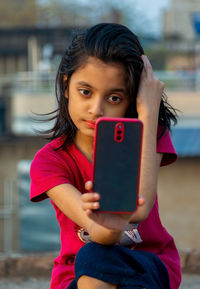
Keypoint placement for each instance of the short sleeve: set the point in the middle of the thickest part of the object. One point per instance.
(47, 171)
(165, 146)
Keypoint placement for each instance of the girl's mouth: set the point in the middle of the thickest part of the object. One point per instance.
(90, 123)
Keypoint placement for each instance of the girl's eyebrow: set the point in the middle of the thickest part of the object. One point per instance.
(117, 89)
(84, 84)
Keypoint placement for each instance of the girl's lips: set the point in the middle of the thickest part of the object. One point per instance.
(90, 123)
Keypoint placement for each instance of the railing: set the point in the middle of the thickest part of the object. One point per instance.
(180, 80)
(29, 81)
(45, 81)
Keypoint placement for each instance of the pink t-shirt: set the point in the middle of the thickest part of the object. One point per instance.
(51, 168)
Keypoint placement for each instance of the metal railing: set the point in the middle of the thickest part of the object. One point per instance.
(44, 81)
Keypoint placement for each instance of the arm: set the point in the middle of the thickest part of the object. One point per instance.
(103, 229)
(148, 104)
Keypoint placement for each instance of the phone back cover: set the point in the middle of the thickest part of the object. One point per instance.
(117, 166)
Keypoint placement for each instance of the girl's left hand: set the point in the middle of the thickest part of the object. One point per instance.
(149, 92)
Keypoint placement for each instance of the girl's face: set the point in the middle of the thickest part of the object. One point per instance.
(96, 89)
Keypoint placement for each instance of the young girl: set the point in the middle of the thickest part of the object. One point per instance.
(104, 72)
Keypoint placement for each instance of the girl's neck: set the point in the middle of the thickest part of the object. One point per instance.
(85, 146)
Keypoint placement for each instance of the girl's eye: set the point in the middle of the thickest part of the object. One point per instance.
(114, 99)
(85, 92)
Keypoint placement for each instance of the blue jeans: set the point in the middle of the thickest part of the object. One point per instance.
(122, 266)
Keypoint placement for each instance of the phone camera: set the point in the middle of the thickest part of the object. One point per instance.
(119, 132)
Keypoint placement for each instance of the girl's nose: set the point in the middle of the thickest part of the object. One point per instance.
(96, 108)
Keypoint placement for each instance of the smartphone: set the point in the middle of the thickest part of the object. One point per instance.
(116, 163)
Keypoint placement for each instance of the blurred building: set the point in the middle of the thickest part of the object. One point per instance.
(22, 43)
(21, 49)
(182, 20)
(181, 33)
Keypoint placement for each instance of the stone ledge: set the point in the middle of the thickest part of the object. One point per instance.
(27, 265)
(190, 261)
(40, 265)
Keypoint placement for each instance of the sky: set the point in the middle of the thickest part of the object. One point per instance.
(153, 10)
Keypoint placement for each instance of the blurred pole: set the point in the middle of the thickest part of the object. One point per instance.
(8, 225)
(33, 54)
(8, 213)
(196, 29)
(197, 64)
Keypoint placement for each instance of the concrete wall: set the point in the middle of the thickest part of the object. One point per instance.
(178, 189)
(11, 152)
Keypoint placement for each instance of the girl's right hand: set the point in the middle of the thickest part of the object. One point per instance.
(91, 203)
(149, 92)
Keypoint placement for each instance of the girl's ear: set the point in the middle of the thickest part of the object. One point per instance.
(65, 85)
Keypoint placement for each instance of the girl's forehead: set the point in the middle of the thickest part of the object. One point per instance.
(100, 64)
(97, 70)
(100, 75)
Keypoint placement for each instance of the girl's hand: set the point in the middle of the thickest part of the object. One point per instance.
(91, 203)
(149, 92)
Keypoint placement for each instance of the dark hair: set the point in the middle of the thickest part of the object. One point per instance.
(108, 42)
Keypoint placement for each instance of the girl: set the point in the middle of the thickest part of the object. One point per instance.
(104, 72)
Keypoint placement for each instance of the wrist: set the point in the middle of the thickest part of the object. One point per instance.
(149, 121)
(147, 115)
(109, 237)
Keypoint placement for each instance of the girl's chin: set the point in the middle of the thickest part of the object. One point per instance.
(89, 133)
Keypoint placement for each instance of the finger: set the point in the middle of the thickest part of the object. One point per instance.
(88, 213)
(90, 197)
(141, 201)
(147, 66)
(148, 62)
(144, 70)
(89, 185)
(90, 206)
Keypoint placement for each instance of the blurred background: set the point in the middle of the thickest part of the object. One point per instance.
(33, 36)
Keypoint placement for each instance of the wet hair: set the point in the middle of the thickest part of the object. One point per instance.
(109, 42)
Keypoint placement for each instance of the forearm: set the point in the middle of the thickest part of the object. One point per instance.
(104, 236)
(150, 163)
(68, 199)
(149, 166)
(148, 104)
(107, 228)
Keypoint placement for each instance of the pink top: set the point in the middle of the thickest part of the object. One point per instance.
(51, 168)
